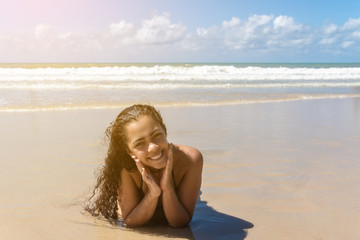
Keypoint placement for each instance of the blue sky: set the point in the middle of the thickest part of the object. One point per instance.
(179, 31)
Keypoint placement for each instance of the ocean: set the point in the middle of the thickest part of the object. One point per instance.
(44, 87)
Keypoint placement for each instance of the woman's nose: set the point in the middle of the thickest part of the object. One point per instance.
(152, 147)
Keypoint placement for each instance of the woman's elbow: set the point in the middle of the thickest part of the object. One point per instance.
(132, 224)
(180, 224)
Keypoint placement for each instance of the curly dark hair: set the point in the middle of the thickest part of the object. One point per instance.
(104, 195)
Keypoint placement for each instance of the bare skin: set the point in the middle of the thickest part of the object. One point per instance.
(156, 161)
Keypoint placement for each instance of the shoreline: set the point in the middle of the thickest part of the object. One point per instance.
(182, 105)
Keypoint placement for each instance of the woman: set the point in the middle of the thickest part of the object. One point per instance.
(144, 176)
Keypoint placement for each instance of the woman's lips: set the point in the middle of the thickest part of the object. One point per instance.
(157, 156)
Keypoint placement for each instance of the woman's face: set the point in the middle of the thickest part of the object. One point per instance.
(147, 141)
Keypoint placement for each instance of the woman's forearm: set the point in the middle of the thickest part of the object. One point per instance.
(142, 212)
(175, 213)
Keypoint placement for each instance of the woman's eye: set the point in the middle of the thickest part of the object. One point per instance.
(158, 135)
(139, 145)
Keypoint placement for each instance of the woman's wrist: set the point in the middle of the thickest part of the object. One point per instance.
(154, 193)
(168, 190)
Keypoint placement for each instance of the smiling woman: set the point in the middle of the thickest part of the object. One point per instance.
(146, 179)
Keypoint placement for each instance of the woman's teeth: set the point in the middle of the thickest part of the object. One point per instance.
(156, 157)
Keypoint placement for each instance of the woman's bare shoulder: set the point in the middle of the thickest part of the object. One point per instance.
(188, 162)
(194, 154)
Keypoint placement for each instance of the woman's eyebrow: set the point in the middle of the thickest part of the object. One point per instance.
(154, 131)
(142, 138)
(138, 140)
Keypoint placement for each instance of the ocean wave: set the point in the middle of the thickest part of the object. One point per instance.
(176, 73)
(172, 86)
(78, 87)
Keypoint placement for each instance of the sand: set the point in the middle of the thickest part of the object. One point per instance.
(287, 170)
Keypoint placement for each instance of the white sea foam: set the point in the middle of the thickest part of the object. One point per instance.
(66, 88)
(177, 73)
(174, 77)
(168, 86)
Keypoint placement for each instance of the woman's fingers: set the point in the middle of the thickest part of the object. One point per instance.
(150, 182)
(169, 163)
(141, 168)
(139, 165)
(166, 182)
(146, 175)
(170, 154)
(153, 186)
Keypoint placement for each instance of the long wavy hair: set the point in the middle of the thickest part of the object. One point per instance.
(104, 195)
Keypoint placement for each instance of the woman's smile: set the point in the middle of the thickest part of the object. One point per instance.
(147, 141)
(157, 157)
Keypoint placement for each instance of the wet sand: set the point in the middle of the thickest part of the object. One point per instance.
(287, 170)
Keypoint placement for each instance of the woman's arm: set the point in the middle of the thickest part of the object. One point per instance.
(179, 206)
(136, 211)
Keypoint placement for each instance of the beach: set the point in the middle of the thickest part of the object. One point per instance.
(267, 91)
(272, 170)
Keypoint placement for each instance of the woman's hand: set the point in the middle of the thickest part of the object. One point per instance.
(154, 188)
(166, 182)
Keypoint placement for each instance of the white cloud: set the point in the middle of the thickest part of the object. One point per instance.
(233, 22)
(159, 30)
(158, 38)
(259, 20)
(202, 32)
(42, 31)
(341, 39)
(286, 23)
(121, 33)
(264, 32)
(121, 29)
(347, 44)
(212, 32)
(352, 24)
(327, 41)
(356, 35)
(156, 30)
(329, 29)
(241, 34)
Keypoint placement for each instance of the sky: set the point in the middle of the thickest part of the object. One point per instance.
(179, 31)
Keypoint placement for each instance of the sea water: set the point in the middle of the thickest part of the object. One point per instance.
(35, 87)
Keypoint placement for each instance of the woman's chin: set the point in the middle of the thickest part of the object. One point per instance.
(158, 165)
